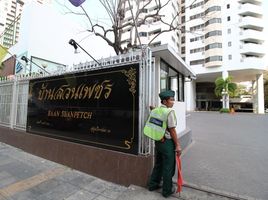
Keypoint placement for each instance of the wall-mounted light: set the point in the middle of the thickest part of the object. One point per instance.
(75, 45)
(26, 60)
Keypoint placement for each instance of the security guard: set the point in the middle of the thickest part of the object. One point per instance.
(167, 146)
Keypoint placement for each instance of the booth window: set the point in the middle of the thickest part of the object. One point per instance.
(171, 80)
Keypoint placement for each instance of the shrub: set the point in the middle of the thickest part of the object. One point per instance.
(224, 110)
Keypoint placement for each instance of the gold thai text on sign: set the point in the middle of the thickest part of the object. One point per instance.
(82, 91)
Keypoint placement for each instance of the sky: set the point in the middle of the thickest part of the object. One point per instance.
(92, 44)
(96, 11)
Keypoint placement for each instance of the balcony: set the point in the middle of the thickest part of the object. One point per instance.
(252, 49)
(213, 64)
(253, 63)
(256, 2)
(251, 23)
(250, 10)
(252, 36)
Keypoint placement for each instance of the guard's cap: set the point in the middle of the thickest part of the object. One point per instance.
(166, 94)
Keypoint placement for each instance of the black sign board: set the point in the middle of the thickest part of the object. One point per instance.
(98, 108)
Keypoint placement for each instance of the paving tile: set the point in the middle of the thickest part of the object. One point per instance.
(82, 195)
(7, 181)
(62, 191)
(97, 186)
(4, 175)
(25, 195)
(100, 197)
(45, 187)
(19, 170)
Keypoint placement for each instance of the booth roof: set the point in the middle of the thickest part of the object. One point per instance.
(168, 54)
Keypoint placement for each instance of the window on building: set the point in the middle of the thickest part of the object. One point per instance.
(183, 9)
(155, 44)
(171, 80)
(229, 44)
(155, 32)
(143, 34)
(183, 29)
(183, 19)
(197, 62)
(228, 6)
(144, 10)
(197, 38)
(212, 21)
(212, 9)
(183, 39)
(228, 18)
(197, 4)
(182, 50)
(213, 58)
(213, 33)
(213, 45)
(197, 27)
(229, 31)
(230, 57)
(196, 50)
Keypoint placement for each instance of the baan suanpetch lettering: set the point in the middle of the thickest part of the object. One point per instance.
(80, 92)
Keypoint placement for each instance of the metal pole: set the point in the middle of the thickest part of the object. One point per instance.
(87, 53)
(37, 66)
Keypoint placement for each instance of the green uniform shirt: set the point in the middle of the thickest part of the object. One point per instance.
(171, 122)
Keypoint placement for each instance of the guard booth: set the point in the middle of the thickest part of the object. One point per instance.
(92, 117)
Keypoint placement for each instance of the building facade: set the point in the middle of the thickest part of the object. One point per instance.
(223, 38)
(10, 14)
(152, 26)
(149, 33)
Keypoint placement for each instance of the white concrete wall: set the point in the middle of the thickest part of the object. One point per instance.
(180, 110)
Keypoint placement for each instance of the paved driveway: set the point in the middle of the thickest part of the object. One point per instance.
(229, 153)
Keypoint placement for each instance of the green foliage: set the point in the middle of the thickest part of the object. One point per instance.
(241, 90)
(224, 110)
(225, 84)
(266, 93)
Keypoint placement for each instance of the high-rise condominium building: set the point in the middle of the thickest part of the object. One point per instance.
(148, 30)
(223, 38)
(10, 11)
(9, 21)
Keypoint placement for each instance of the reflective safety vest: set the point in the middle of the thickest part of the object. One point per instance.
(156, 124)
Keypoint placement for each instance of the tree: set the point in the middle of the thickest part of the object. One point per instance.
(116, 10)
(225, 88)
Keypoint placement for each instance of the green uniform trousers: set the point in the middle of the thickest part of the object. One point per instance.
(164, 166)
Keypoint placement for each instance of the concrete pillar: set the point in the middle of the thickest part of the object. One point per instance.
(190, 95)
(225, 74)
(260, 94)
(225, 97)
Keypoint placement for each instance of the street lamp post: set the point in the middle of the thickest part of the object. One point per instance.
(76, 45)
(24, 58)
